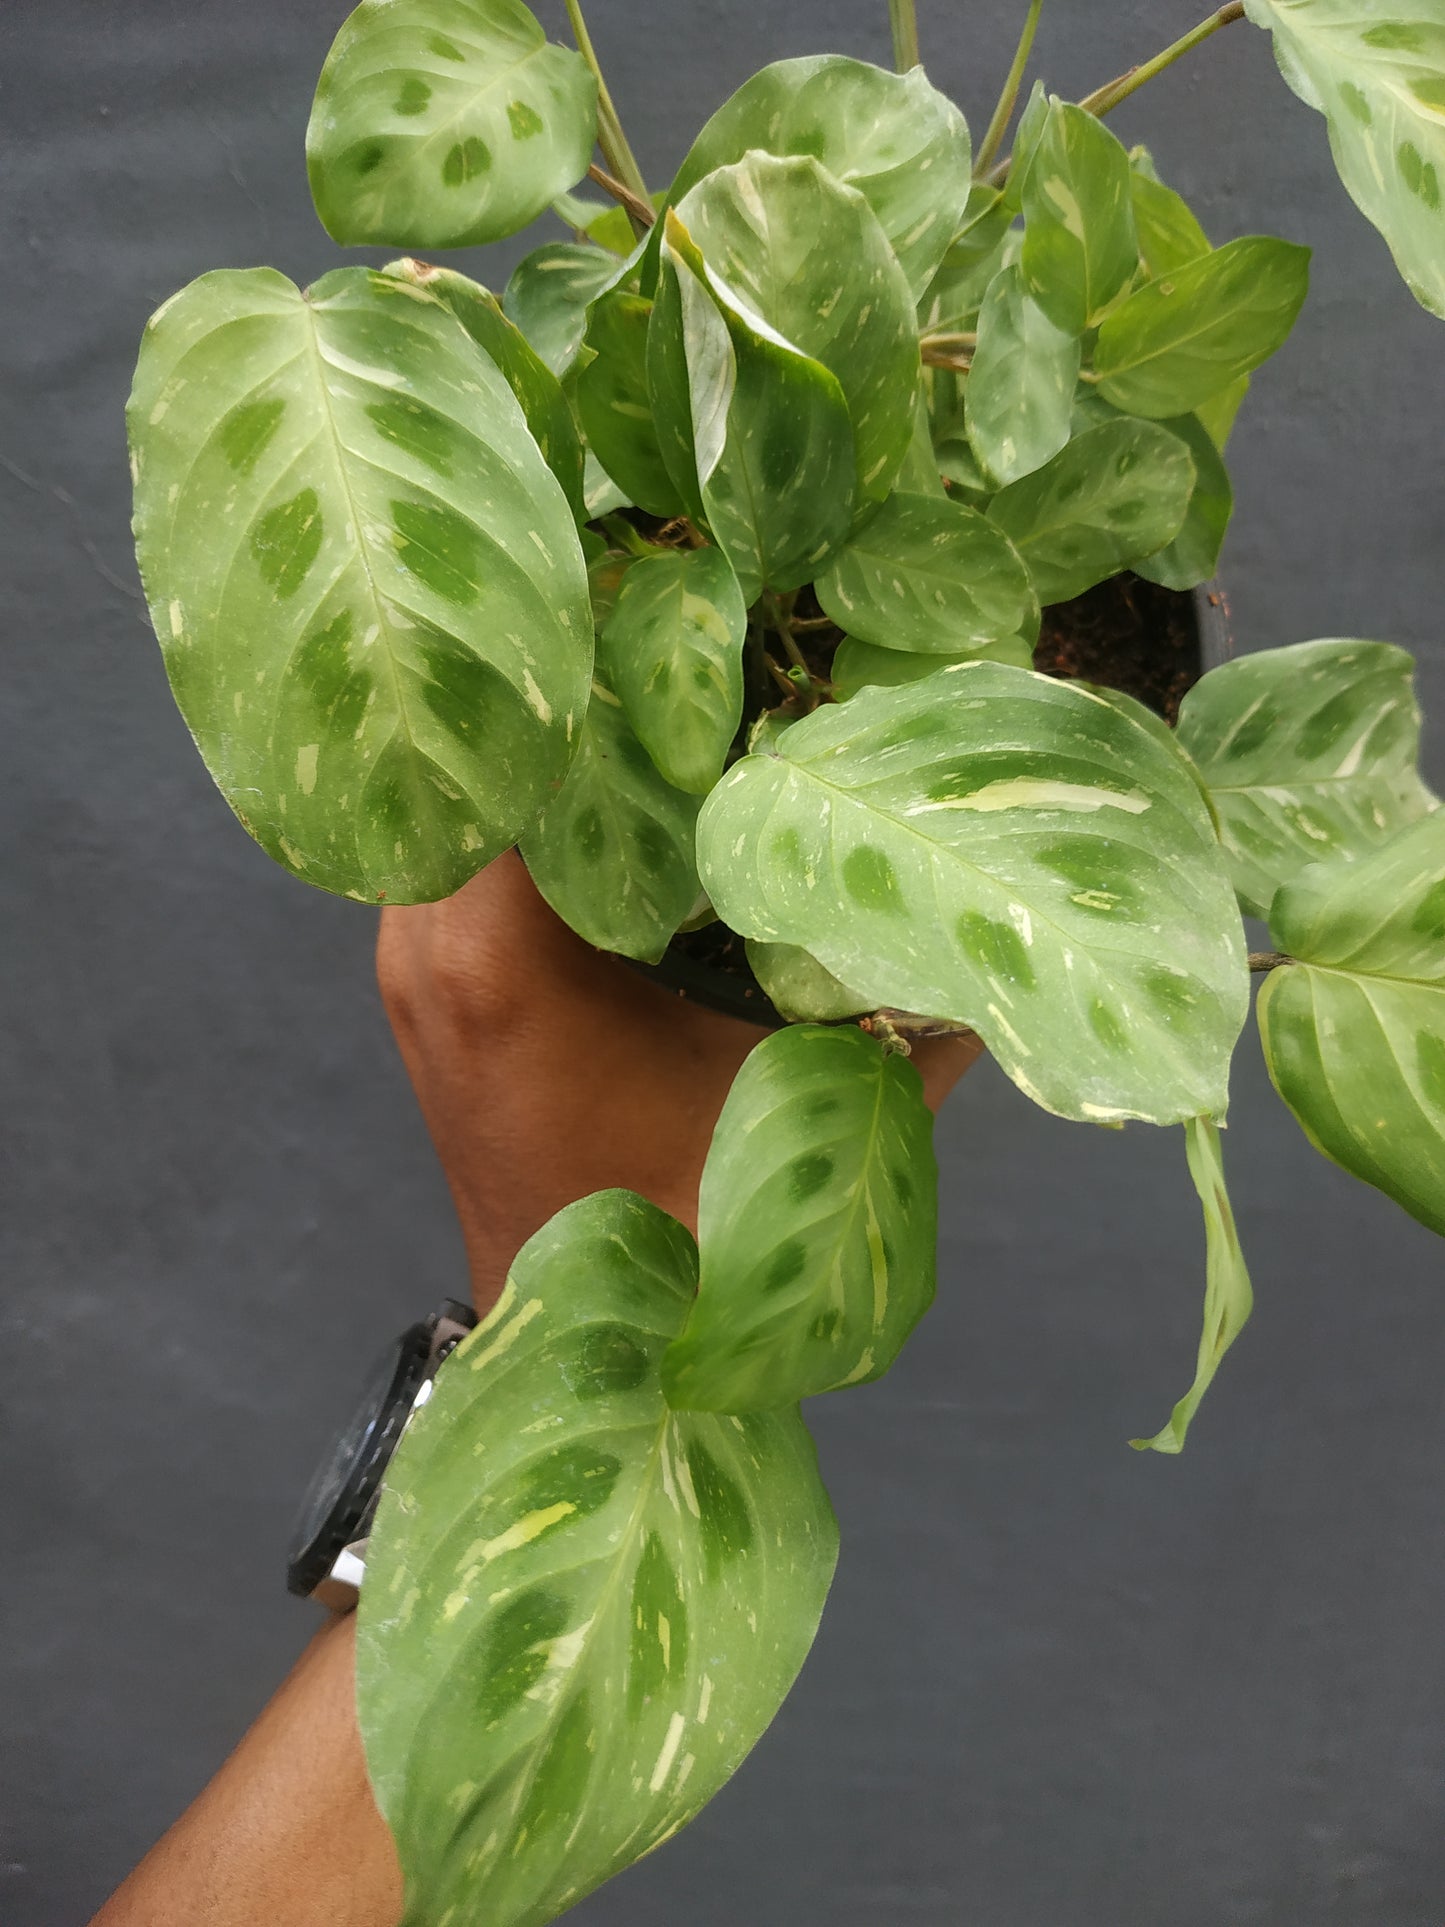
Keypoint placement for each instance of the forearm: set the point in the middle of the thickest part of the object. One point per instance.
(287, 1834)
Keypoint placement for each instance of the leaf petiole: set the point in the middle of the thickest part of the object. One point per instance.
(1104, 99)
(610, 137)
(905, 34)
(1008, 99)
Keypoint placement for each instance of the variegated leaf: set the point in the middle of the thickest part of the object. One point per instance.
(367, 584)
(1008, 852)
(817, 1223)
(581, 1609)
(1308, 752)
(1354, 1030)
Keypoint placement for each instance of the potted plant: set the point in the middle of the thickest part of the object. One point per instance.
(716, 565)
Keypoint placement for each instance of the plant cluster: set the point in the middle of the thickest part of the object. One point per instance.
(706, 565)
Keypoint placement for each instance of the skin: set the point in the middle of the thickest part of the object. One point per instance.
(544, 1071)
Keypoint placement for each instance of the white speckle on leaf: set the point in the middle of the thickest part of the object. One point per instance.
(306, 767)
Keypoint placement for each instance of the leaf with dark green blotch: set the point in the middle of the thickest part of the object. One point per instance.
(1193, 556)
(1308, 752)
(673, 652)
(756, 435)
(530, 379)
(445, 125)
(1377, 73)
(1118, 492)
(859, 665)
(816, 1224)
(1080, 248)
(613, 850)
(615, 405)
(367, 583)
(799, 987)
(894, 137)
(1228, 1294)
(1354, 1031)
(1021, 385)
(1169, 233)
(549, 294)
(582, 1610)
(1008, 852)
(1178, 341)
(931, 576)
(785, 242)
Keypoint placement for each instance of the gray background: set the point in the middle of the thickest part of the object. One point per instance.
(1059, 1683)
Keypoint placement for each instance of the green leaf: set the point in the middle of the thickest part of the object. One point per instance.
(895, 138)
(613, 852)
(530, 379)
(445, 123)
(1008, 852)
(961, 469)
(817, 1222)
(549, 294)
(1169, 234)
(1080, 248)
(1376, 71)
(1308, 752)
(799, 987)
(673, 652)
(1032, 122)
(1117, 492)
(787, 244)
(366, 582)
(859, 665)
(582, 1610)
(1228, 1294)
(1021, 384)
(955, 295)
(1354, 1033)
(1193, 556)
(932, 576)
(755, 434)
(1178, 341)
(615, 406)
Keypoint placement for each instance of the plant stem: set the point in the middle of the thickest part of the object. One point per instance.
(1262, 960)
(1008, 99)
(610, 137)
(1104, 99)
(905, 34)
(643, 213)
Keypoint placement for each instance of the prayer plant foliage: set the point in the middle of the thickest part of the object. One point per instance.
(707, 566)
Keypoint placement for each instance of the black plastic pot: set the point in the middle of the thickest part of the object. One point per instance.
(709, 967)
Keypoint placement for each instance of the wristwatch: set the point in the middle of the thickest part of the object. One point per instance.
(327, 1559)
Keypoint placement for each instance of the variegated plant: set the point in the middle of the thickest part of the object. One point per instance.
(706, 565)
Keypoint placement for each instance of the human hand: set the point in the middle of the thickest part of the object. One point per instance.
(546, 1070)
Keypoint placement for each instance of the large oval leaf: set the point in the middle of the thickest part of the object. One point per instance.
(1177, 341)
(861, 665)
(1020, 393)
(673, 649)
(788, 245)
(1008, 852)
(1168, 229)
(1193, 555)
(755, 434)
(817, 1223)
(549, 416)
(581, 1609)
(613, 851)
(931, 576)
(444, 123)
(366, 582)
(1080, 247)
(894, 137)
(1376, 70)
(1117, 492)
(1354, 1033)
(1307, 752)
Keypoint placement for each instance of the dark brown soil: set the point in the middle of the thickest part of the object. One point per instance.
(1128, 634)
